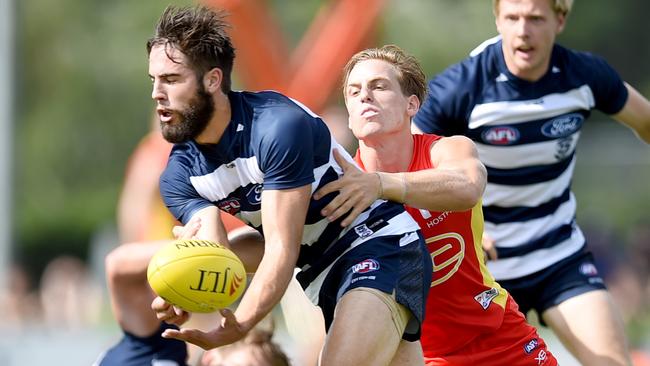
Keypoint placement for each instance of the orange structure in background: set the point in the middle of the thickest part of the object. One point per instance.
(310, 74)
(312, 71)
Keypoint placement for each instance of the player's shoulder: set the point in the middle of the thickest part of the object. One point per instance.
(271, 101)
(272, 114)
(578, 61)
(181, 159)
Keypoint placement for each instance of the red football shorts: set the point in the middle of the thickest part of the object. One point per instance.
(516, 343)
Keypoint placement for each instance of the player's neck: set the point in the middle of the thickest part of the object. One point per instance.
(389, 154)
(219, 121)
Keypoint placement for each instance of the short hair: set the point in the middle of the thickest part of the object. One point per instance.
(200, 33)
(410, 76)
(559, 6)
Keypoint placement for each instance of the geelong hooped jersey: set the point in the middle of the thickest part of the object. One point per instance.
(464, 300)
(271, 142)
(526, 135)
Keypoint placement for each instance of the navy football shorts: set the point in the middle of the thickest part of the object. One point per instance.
(570, 277)
(381, 263)
(153, 350)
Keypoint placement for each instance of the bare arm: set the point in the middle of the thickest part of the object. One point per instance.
(283, 215)
(211, 227)
(281, 210)
(456, 184)
(636, 114)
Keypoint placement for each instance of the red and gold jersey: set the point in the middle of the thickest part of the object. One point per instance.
(464, 299)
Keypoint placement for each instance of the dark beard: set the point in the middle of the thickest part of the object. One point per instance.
(193, 119)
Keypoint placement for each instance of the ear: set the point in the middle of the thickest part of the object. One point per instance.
(413, 105)
(212, 80)
(561, 22)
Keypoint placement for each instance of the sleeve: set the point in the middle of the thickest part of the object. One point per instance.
(179, 195)
(443, 110)
(286, 150)
(610, 93)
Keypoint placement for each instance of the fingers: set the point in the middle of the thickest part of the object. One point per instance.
(337, 210)
(327, 189)
(159, 304)
(489, 247)
(168, 313)
(193, 336)
(228, 318)
(188, 231)
(346, 165)
(356, 211)
(343, 163)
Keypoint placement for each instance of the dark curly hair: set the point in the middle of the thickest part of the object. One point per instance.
(200, 33)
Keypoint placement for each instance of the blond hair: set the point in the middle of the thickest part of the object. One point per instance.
(410, 76)
(559, 6)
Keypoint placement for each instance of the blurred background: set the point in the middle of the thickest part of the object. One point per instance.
(75, 103)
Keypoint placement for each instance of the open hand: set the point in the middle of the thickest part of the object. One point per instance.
(357, 191)
(229, 331)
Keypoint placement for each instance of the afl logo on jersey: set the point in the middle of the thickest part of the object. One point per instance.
(502, 135)
(562, 126)
(365, 266)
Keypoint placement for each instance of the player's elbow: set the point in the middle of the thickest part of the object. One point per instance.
(468, 197)
(473, 188)
(122, 265)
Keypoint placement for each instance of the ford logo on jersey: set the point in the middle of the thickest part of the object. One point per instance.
(365, 266)
(503, 135)
(562, 126)
(254, 194)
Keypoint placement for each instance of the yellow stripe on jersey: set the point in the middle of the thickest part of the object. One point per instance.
(488, 279)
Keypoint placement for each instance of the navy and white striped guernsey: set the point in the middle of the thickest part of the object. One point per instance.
(274, 142)
(526, 135)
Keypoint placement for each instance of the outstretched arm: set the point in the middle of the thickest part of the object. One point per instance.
(281, 210)
(456, 184)
(636, 114)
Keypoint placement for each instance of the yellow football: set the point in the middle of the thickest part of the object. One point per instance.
(197, 275)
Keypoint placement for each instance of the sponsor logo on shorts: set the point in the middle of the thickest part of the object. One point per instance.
(502, 135)
(531, 345)
(563, 126)
(363, 231)
(485, 298)
(365, 266)
(588, 269)
(542, 357)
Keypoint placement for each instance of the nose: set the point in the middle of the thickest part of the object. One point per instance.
(523, 26)
(365, 94)
(157, 92)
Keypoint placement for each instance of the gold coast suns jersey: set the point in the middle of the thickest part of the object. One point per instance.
(464, 299)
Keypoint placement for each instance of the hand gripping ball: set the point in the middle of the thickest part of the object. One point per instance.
(197, 275)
